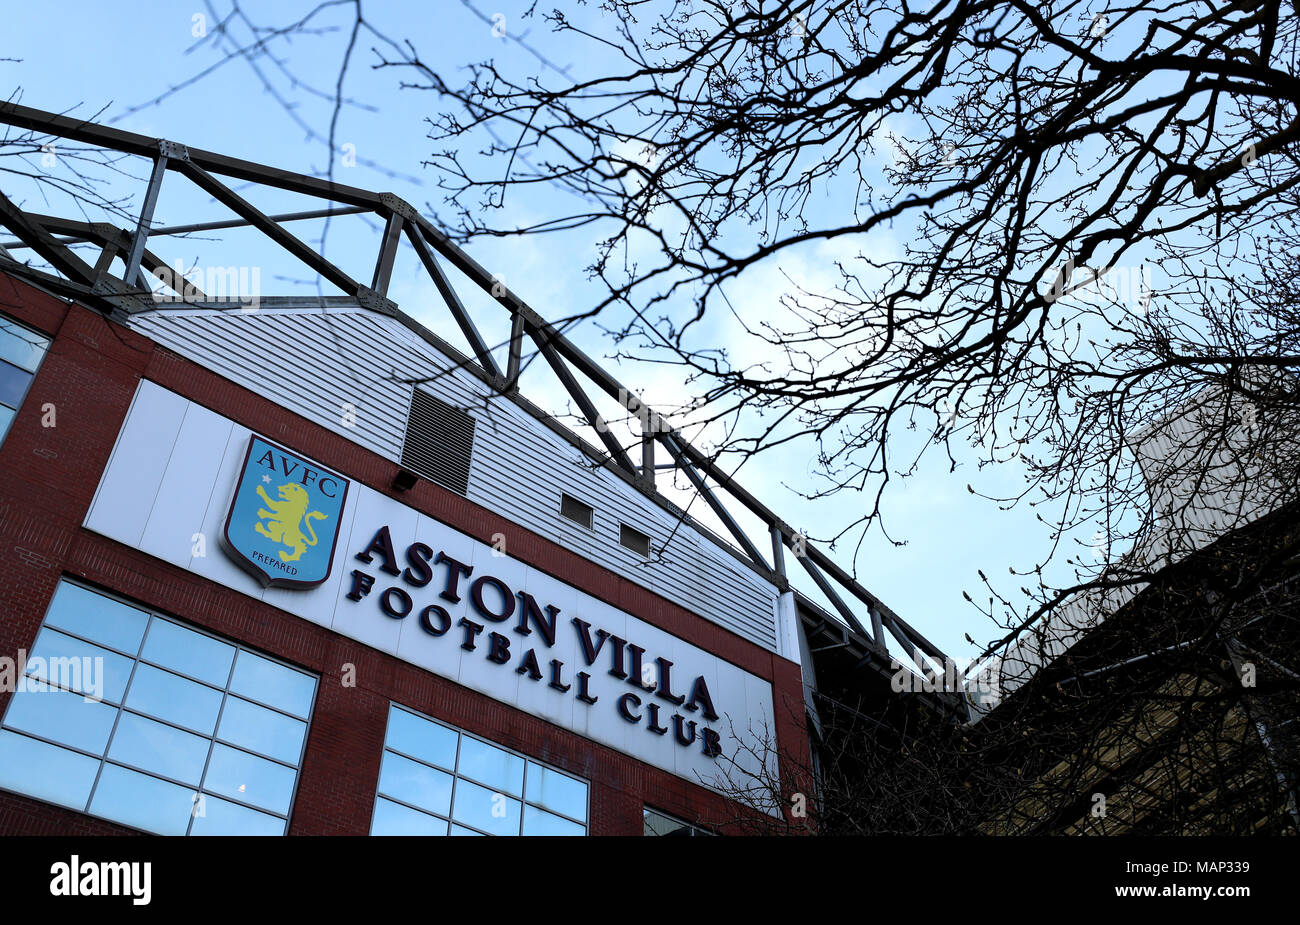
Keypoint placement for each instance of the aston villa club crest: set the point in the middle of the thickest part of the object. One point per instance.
(284, 519)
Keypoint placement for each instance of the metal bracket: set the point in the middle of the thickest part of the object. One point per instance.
(369, 299)
(398, 206)
(174, 151)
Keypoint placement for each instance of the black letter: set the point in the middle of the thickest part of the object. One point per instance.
(472, 629)
(528, 666)
(418, 555)
(625, 711)
(476, 595)
(700, 694)
(388, 607)
(653, 724)
(666, 683)
(712, 747)
(545, 624)
(583, 694)
(677, 729)
(426, 623)
(499, 651)
(589, 652)
(382, 544)
(361, 585)
(455, 570)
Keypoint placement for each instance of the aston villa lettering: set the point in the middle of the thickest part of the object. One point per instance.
(495, 603)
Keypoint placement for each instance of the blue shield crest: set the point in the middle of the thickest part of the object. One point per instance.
(284, 519)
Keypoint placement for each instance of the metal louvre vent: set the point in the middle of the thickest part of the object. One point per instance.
(439, 442)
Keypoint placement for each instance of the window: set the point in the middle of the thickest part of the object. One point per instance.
(437, 780)
(130, 716)
(634, 540)
(656, 823)
(578, 511)
(21, 351)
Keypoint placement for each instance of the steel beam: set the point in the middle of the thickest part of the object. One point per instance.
(237, 204)
(454, 305)
(141, 237)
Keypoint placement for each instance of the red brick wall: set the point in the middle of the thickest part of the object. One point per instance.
(48, 477)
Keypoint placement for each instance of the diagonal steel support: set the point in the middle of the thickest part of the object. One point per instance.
(845, 611)
(565, 375)
(246, 210)
(53, 252)
(516, 351)
(454, 305)
(387, 254)
(673, 447)
(141, 238)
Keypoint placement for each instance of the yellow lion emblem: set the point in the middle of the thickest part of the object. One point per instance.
(285, 520)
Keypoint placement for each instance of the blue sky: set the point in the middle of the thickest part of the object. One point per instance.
(92, 56)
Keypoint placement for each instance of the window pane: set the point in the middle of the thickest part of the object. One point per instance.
(21, 347)
(62, 717)
(261, 730)
(97, 617)
(484, 809)
(6, 417)
(540, 822)
(13, 383)
(46, 772)
(188, 652)
(217, 817)
(394, 819)
(461, 830)
(421, 739)
(141, 801)
(557, 792)
(103, 673)
(161, 749)
(412, 782)
(492, 766)
(249, 779)
(267, 682)
(175, 699)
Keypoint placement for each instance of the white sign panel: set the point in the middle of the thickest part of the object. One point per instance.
(411, 586)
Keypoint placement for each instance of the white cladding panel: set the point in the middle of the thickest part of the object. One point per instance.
(177, 509)
(320, 363)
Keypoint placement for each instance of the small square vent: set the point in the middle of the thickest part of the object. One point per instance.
(634, 540)
(439, 442)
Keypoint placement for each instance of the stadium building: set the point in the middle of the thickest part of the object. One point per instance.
(285, 565)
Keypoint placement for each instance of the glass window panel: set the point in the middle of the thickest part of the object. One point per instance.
(161, 749)
(557, 792)
(414, 783)
(487, 810)
(6, 417)
(274, 684)
(104, 674)
(249, 779)
(261, 730)
(461, 830)
(395, 819)
(142, 801)
(419, 738)
(540, 822)
(218, 817)
(489, 765)
(188, 652)
(66, 718)
(13, 384)
(45, 771)
(20, 346)
(173, 698)
(97, 617)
